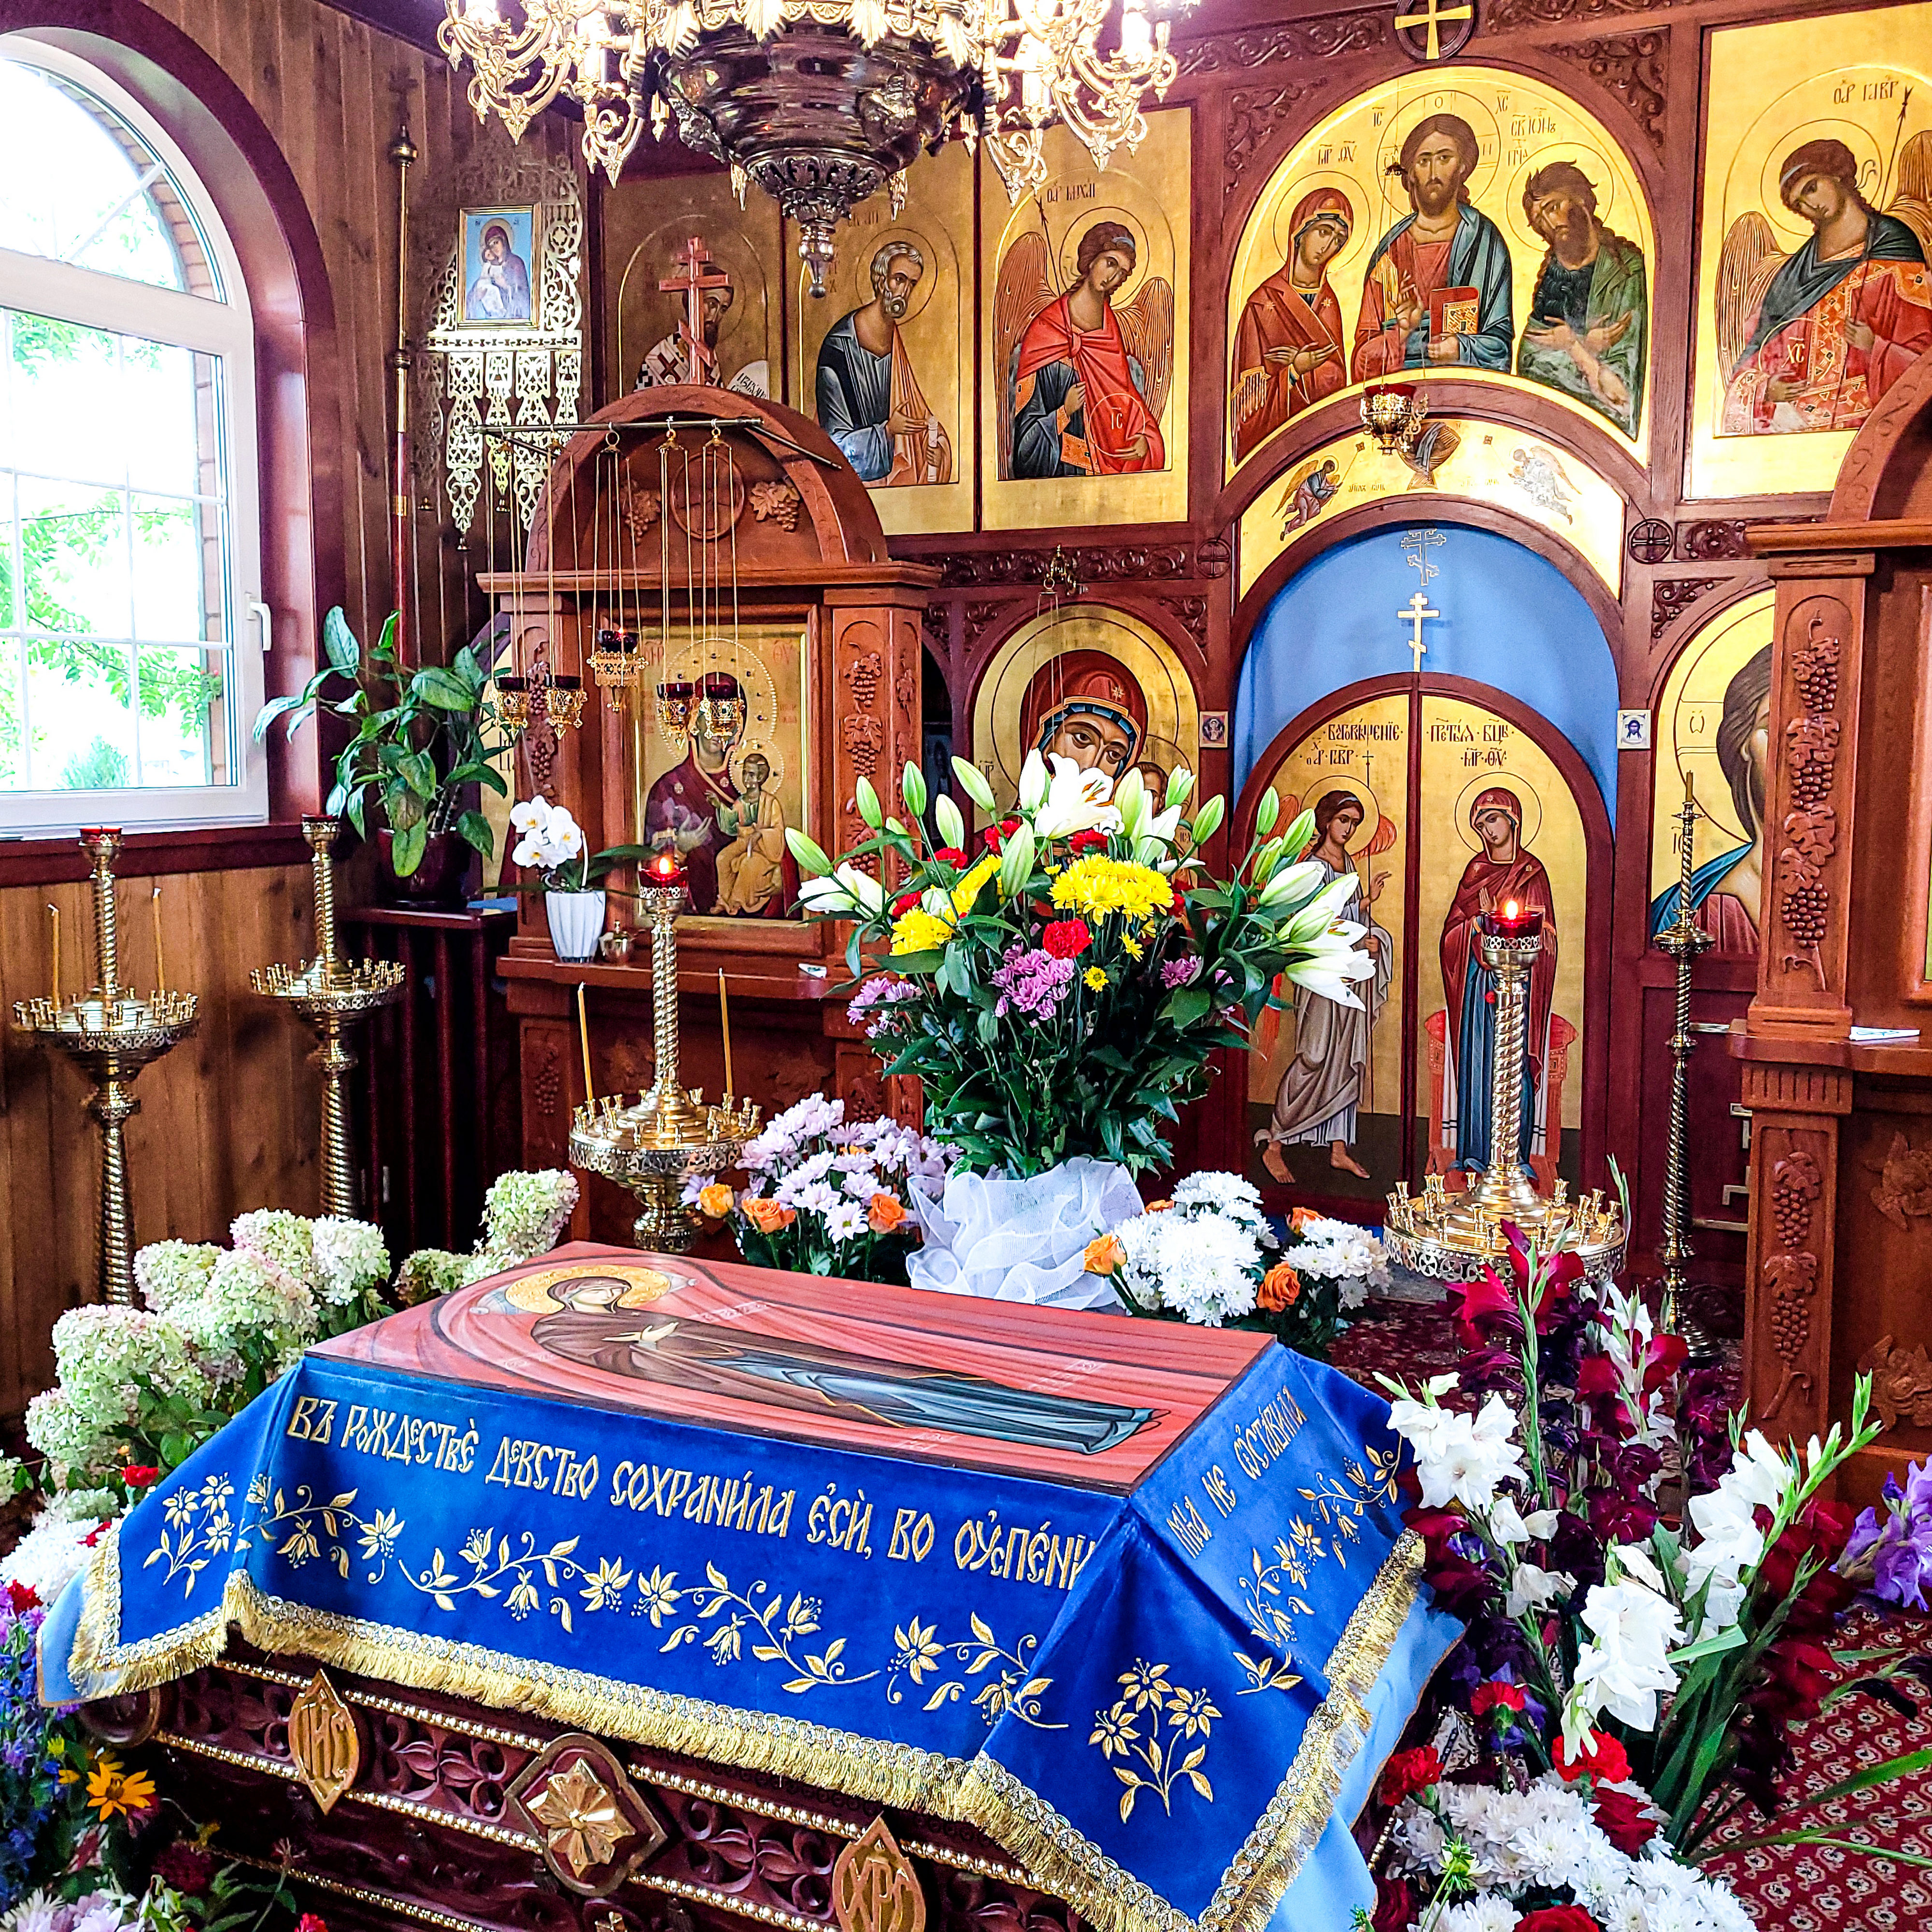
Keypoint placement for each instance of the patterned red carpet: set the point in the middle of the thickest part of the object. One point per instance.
(1792, 1887)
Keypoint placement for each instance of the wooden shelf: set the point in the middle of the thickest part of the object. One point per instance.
(635, 980)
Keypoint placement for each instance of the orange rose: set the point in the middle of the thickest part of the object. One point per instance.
(1158, 1207)
(1103, 1255)
(766, 1214)
(715, 1200)
(1299, 1217)
(885, 1214)
(1280, 1289)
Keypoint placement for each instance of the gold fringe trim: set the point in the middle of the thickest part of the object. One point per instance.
(1066, 1862)
(1058, 1857)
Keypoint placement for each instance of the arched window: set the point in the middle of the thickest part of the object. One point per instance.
(130, 537)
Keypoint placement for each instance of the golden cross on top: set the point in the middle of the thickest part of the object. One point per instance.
(1412, 613)
(1433, 15)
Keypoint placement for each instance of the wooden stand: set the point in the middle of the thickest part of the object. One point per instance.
(805, 549)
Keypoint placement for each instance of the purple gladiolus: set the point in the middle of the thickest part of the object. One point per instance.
(1898, 1544)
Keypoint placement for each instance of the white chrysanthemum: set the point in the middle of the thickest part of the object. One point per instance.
(524, 1213)
(845, 1220)
(350, 1259)
(1225, 1193)
(808, 1197)
(1488, 1912)
(807, 1119)
(52, 1553)
(1201, 1265)
(1420, 1838)
(167, 1271)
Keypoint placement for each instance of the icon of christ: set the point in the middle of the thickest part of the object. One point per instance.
(777, 1372)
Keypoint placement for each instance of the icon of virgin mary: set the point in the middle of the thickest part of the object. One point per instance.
(1085, 706)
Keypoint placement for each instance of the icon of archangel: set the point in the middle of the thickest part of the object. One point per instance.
(1084, 377)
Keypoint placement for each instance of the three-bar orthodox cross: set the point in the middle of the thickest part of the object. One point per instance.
(1412, 614)
(696, 271)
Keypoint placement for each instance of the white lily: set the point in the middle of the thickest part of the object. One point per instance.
(1290, 886)
(1130, 796)
(1325, 909)
(865, 889)
(1072, 800)
(1332, 962)
(825, 895)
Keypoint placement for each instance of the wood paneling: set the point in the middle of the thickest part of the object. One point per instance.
(228, 1121)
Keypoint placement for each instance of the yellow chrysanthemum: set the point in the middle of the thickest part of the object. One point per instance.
(967, 890)
(110, 1789)
(917, 930)
(1134, 949)
(1097, 885)
(1095, 978)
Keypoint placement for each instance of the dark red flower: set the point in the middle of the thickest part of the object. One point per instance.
(1618, 1516)
(1487, 1304)
(1557, 1919)
(311, 1921)
(187, 1868)
(24, 1598)
(1067, 938)
(1495, 1694)
(950, 855)
(1666, 1356)
(1085, 841)
(1819, 1529)
(140, 1475)
(996, 836)
(1409, 1772)
(1629, 1822)
(1396, 1904)
(1597, 1377)
(1602, 1756)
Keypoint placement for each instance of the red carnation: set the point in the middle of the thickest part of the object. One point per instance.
(997, 835)
(1551, 1919)
(138, 1475)
(1496, 1693)
(1602, 1756)
(187, 1868)
(904, 904)
(311, 1921)
(24, 1598)
(1085, 841)
(950, 855)
(1629, 1822)
(1067, 938)
(1409, 1772)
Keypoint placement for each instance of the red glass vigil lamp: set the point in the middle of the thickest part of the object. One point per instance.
(1513, 921)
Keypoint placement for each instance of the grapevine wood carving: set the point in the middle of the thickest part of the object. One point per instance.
(863, 675)
(1501, 15)
(864, 738)
(1123, 563)
(1632, 68)
(1193, 612)
(1791, 1269)
(1253, 115)
(1901, 1382)
(776, 502)
(1310, 40)
(1670, 597)
(1810, 827)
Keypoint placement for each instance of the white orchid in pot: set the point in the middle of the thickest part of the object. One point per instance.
(550, 842)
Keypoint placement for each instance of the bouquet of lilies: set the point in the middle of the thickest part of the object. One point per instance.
(1624, 1696)
(1058, 988)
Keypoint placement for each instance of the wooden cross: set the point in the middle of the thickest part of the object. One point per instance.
(695, 272)
(1412, 613)
(1434, 14)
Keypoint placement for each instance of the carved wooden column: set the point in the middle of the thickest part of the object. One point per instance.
(1796, 1037)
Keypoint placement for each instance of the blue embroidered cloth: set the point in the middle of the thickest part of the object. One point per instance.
(1134, 1600)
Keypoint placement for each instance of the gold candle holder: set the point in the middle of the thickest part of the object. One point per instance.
(110, 1033)
(334, 995)
(653, 1147)
(1455, 1237)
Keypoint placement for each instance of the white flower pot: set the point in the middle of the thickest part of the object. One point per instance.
(576, 922)
(1024, 1240)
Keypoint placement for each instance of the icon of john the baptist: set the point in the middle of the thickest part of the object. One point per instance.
(777, 1371)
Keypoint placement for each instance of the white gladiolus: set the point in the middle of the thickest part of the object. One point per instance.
(1626, 1663)
(1532, 1586)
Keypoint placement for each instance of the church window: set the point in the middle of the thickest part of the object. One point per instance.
(130, 668)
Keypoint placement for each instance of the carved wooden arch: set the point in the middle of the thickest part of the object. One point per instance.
(1599, 856)
(1690, 624)
(836, 514)
(244, 171)
(1887, 472)
(1403, 512)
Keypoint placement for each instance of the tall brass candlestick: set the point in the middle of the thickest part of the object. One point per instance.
(333, 994)
(1683, 939)
(110, 1033)
(654, 1146)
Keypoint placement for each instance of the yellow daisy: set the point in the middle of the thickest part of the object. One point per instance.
(110, 1789)
(1097, 885)
(967, 890)
(1095, 978)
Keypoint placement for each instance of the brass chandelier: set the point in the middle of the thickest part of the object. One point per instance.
(821, 102)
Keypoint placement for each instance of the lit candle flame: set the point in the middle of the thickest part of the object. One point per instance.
(1509, 908)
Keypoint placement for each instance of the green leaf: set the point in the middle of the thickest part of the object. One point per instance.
(418, 771)
(1732, 1638)
(406, 848)
(338, 642)
(1907, 1764)
(1185, 1005)
(269, 712)
(442, 689)
(477, 830)
(385, 645)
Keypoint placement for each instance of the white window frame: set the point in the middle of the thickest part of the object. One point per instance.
(223, 327)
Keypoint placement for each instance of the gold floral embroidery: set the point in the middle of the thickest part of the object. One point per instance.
(198, 1525)
(1173, 1716)
(1015, 1692)
(775, 1627)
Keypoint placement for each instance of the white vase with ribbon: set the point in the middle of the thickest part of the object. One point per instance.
(576, 922)
(1004, 1239)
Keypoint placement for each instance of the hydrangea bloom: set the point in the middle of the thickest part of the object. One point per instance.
(167, 1272)
(283, 1240)
(249, 1306)
(350, 1259)
(525, 1213)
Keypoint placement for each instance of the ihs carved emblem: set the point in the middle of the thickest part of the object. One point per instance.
(324, 1744)
(874, 1886)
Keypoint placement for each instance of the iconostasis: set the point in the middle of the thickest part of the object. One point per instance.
(1650, 287)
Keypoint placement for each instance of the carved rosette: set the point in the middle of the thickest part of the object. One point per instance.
(594, 1827)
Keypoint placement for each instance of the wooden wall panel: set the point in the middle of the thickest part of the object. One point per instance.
(228, 1121)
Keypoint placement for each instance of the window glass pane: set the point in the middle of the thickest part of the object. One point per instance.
(79, 185)
(177, 577)
(73, 544)
(64, 399)
(169, 406)
(81, 725)
(181, 694)
(12, 743)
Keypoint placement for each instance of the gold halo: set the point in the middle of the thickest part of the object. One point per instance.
(1862, 141)
(1296, 191)
(1069, 249)
(1437, 101)
(928, 279)
(1527, 795)
(1601, 176)
(743, 750)
(531, 1293)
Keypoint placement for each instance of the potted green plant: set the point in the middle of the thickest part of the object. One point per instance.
(420, 741)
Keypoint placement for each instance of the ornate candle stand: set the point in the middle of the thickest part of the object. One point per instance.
(110, 1033)
(652, 1148)
(1683, 940)
(332, 994)
(1454, 1237)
